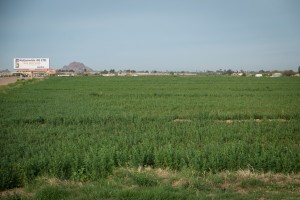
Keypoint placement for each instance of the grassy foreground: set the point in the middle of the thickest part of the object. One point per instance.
(81, 136)
(148, 183)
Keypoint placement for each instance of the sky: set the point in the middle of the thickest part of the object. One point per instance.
(163, 35)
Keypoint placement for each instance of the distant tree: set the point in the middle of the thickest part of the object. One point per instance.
(219, 71)
(288, 73)
(229, 72)
(299, 69)
(112, 71)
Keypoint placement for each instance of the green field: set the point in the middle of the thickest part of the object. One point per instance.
(109, 137)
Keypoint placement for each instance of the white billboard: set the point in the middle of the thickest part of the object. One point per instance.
(31, 63)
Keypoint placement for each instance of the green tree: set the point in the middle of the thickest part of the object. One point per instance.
(299, 69)
(288, 73)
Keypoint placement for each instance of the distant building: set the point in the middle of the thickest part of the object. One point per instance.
(258, 75)
(51, 71)
(110, 74)
(277, 75)
(237, 74)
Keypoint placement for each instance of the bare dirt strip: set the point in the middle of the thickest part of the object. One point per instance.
(7, 80)
(229, 121)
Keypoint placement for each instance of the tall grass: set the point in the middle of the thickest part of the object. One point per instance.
(81, 128)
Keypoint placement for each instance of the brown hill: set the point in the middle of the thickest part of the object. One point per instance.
(77, 67)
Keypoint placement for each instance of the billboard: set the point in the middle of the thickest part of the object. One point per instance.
(31, 63)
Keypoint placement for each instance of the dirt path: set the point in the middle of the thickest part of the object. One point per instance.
(7, 80)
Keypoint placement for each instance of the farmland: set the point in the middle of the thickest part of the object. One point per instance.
(100, 130)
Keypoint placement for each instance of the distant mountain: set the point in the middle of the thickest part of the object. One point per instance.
(76, 67)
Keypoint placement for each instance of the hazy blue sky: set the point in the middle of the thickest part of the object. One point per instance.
(188, 35)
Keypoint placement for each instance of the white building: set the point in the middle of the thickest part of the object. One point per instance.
(277, 75)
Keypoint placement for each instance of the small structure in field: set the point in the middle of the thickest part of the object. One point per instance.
(258, 75)
(276, 75)
(237, 74)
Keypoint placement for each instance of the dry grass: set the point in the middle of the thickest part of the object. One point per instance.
(242, 182)
(229, 121)
(17, 191)
(276, 182)
(182, 120)
(55, 181)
